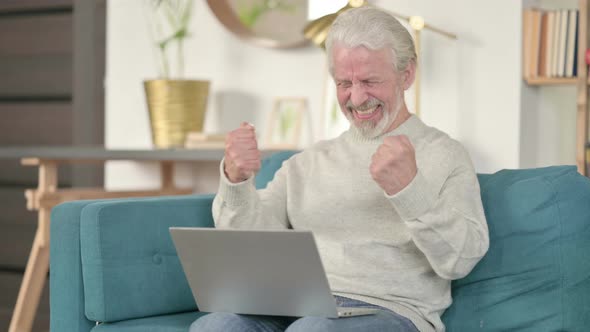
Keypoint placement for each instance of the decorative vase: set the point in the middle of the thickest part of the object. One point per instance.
(176, 107)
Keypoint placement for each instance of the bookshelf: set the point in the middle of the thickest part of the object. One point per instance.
(580, 80)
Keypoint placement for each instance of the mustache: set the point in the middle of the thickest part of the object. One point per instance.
(371, 103)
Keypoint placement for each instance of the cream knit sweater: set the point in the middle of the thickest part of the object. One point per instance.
(400, 252)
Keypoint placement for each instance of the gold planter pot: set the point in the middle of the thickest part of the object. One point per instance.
(176, 107)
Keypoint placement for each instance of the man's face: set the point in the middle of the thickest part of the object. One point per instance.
(368, 88)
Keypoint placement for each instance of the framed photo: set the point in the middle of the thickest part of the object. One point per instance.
(284, 123)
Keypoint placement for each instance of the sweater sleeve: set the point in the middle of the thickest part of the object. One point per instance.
(446, 220)
(240, 205)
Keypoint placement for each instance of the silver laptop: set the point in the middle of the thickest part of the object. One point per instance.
(276, 273)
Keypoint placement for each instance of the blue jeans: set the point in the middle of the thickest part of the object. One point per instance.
(385, 320)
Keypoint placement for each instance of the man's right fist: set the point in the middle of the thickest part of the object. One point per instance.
(242, 157)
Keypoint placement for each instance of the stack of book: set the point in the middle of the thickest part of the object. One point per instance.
(199, 140)
(550, 43)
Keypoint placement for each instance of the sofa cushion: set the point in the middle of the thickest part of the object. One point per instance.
(167, 323)
(536, 274)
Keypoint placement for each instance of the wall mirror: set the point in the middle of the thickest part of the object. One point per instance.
(267, 23)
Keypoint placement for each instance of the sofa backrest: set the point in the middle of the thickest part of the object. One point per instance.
(269, 166)
(536, 274)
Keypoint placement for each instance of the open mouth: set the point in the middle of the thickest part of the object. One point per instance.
(367, 113)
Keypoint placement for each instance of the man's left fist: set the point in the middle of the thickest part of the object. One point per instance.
(393, 165)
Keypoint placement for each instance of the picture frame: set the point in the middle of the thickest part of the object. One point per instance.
(283, 130)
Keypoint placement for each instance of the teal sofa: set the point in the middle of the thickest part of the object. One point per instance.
(113, 262)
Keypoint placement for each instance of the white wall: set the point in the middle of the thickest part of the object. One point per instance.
(548, 133)
(245, 81)
(471, 87)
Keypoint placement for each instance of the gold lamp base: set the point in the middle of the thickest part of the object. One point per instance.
(176, 107)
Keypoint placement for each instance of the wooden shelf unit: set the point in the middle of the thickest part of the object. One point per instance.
(582, 83)
(582, 86)
(551, 80)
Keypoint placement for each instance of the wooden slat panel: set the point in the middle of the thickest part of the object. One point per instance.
(17, 231)
(17, 228)
(88, 87)
(36, 76)
(13, 173)
(36, 123)
(13, 209)
(36, 56)
(9, 286)
(12, 6)
(16, 245)
(36, 34)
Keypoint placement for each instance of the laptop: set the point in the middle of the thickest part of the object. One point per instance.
(257, 272)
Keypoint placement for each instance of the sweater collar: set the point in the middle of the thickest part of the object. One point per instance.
(411, 128)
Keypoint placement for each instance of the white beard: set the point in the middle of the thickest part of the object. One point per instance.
(370, 129)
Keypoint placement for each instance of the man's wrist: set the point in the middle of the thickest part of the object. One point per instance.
(229, 177)
(233, 179)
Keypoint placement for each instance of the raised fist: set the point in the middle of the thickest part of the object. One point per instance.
(242, 157)
(393, 165)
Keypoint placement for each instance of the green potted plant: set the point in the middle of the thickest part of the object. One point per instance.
(176, 105)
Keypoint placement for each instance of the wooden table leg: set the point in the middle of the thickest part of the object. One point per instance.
(167, 175)
(38, 264)
(33, 282)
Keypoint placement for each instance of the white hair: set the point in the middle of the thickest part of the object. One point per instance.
(374, 29)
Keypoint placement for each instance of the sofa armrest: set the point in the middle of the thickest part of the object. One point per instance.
(114, 259)
(65, 269)
(129, 263)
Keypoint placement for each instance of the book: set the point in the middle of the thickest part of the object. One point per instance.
(571, 42)
(550, 48)
(576, 50)
(543, 39)
(555, 43)
(526, 41)
(535, 42)
(198, 140)
(562, 47)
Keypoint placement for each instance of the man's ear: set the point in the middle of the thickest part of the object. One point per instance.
(409, 75)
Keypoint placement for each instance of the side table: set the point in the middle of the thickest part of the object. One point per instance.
(47, 195)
